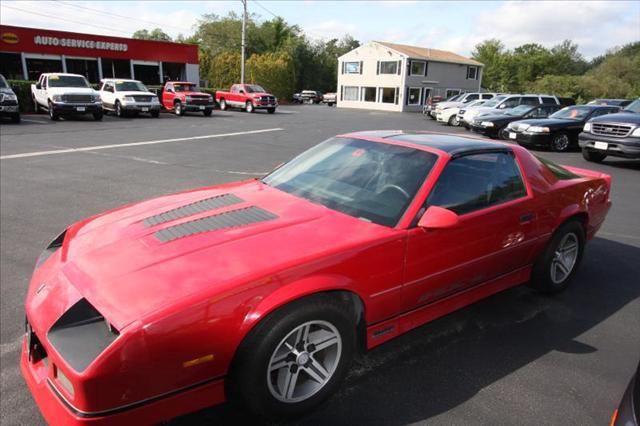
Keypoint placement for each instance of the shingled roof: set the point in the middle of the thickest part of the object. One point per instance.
(430, 54)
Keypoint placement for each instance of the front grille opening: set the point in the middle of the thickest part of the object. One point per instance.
(81, 334)
(610, 129)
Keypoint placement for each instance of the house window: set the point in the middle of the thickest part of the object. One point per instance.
(472, 73)
(352, 67)
(350, 93)
(418, 68)
(388, 67)
(388, 95)
(452, 92)
(414, 96)
(369, 94)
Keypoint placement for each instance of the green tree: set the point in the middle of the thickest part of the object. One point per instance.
(154, 34)
(274, 71)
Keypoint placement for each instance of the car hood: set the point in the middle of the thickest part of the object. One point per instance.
(499, 117)
(135, 93)
(192, 93)
(618, 117)
(69, 90)
(442, 105)
(6, 91)
(551, 122)
(135, 261)
(256, 94)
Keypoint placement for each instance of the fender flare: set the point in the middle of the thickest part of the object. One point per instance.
(570, 211)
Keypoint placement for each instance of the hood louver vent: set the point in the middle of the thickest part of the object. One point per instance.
(193, 208)
(231, 219)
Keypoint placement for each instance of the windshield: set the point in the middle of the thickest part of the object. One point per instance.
(519, 111)
(184, 87)
(130, 86)
(573, 113)
(67, 81)
(476, 103)
(3, 82)
(493, 102)
(372, 181)
(254, 88)
(633, 107)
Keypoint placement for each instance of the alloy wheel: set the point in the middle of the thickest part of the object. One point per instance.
(564, 258)
(304, 361)
(561, 142)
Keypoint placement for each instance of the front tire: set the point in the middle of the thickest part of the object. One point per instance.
(97, 116)
(295, 358)
(155, 114)
(52, 113)
(249, 107)
(453, 121)
(557, 265)
(207, 112)
(594, 156)
(15, 118)
(178, 108)
(560, 142)
(271, 110)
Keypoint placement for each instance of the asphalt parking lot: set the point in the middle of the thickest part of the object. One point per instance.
(515, 358)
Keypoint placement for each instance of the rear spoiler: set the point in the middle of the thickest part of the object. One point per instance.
(589, 173)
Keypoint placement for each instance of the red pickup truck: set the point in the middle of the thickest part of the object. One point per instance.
(183, 96)
(248, 97)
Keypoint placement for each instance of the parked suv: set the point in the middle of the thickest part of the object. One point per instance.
(8, 101)
(617, 135)
(128, 96)
(502, 102)
(465, 98)
(183, 96)
(65, 94)
(329, 98)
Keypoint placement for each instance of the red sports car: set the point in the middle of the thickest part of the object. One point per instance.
(262, 291)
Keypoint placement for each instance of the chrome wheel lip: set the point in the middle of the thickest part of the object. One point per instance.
(296, 372)
(564, 258)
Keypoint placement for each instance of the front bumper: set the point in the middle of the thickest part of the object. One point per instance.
(140, 107)
(9, 109)
(486, 131)
(628, 147)
(534, 139)
(197, 107)
(58, 411)
(64, 108)
(260, 105)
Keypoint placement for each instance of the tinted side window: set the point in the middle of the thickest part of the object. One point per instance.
(530, 100)
(478, 181)
(548, 101)
(487, 96)
(472, 98)
(511, 102)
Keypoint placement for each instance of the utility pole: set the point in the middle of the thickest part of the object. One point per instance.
(244, 30)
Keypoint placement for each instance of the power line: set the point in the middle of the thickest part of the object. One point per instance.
(265, 9)
(117, 30)
(118, 16)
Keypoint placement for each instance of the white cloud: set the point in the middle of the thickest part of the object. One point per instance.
(331, 29)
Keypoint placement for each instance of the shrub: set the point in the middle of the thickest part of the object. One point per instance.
(22, 88)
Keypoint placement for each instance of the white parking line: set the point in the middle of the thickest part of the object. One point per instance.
(125, 145)
(34, 121)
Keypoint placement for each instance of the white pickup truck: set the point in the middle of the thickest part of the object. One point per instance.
(65, 94)
(128, 96)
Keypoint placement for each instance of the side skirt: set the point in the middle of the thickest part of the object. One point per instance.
(386, 330)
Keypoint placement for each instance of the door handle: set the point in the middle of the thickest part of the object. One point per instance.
(527, 217)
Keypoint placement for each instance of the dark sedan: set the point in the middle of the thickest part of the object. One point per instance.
(558, 132)
(494, 124)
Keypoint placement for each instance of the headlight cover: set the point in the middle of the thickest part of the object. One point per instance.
(538, 129)
(51, 248)
(587, 127)
(10, 97)
(56, 98)
(187, 98)
(129, 99)
(636, 133)
(487, 124)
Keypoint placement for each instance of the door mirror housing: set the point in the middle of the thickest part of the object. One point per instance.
(38, 86)
(438, 218)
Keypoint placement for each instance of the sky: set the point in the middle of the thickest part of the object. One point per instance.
(595, 26)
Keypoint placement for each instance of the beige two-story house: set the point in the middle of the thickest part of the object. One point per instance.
(397, 77)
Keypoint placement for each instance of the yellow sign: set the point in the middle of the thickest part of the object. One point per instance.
(10, 38)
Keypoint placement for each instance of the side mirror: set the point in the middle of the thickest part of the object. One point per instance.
(438, 218)
(38, 86)
(503, 106)
(241, 91)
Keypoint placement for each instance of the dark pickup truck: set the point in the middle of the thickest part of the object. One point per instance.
(616, 135)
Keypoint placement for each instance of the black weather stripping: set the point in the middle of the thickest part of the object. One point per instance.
(231, 219)
(193, 208)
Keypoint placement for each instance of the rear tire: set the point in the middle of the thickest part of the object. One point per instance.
(594, 156)
(556, 266)
(223, 105)
(283, 347)
(560, 142)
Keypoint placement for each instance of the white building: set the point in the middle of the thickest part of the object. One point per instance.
(397, 77)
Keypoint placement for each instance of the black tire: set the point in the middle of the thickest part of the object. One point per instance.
(177, 107)
(207, 112)
(560, 142)
(52, 113)
(155, 114)
(248, 107)
(248, 383)
(271, 110)
(453, 121)
(330, 104)
(223, 104)
(541, 277)
(15, 118)
(97, 116)
(120, 113)
(594, 156)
